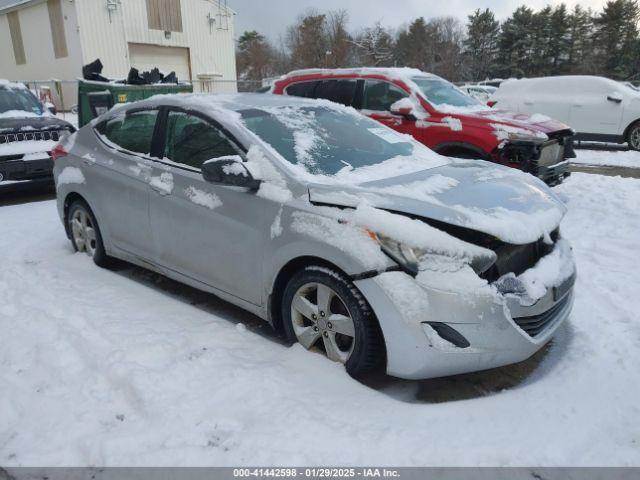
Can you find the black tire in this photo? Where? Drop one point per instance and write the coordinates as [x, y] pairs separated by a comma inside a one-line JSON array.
[[368, 351], [633, 137], [100, 256]]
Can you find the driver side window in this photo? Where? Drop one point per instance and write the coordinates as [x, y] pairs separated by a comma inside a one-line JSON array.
[[192, 141], [379, 95]]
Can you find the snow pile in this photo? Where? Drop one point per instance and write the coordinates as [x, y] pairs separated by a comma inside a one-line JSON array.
[[209, 200], [273, 186], [445, 108], [26, 146], [341, 234], [539, 118], [70, 175], [630, 159], [550, 271], [163, 183], [505, 132], [276, 226], [455, 124], [18, 114], [422, 189], [125, 368], [235, 168]]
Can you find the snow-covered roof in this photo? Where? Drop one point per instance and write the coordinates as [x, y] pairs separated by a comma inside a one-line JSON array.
[[393, 72], [8, 4], [14, 85]]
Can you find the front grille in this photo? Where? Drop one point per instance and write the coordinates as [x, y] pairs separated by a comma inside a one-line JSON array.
[[536, 324], [551, 153], [517, 259], [44, 135]]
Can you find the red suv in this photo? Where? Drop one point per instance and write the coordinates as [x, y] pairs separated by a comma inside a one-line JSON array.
[[442, 117]]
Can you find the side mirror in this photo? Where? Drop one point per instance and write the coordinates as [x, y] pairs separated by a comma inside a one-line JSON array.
[[404, 108], [615, 97], [51, 107], [229, 171]]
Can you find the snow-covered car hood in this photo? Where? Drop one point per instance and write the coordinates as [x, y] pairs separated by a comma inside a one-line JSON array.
[[34, 122], [537, 122], [510, 205]]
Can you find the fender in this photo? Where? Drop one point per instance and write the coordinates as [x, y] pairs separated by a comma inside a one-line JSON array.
[[462, 146]]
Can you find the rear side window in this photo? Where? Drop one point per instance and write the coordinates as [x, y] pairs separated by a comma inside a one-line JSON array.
[[379, 95], [192, 141], [339, 91], [132, 131], [302, 89]]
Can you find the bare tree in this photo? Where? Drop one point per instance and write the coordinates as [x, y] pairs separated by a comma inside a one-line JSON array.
[[338, 39], [374, 46]]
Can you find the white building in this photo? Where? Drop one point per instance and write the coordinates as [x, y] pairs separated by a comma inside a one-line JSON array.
[[53, 39]]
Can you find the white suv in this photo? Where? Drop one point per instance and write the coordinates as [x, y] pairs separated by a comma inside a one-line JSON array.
[[597, 108]]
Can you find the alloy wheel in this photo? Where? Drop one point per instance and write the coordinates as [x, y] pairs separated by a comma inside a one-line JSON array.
[[634, 138], [83, 231], [317, 312]]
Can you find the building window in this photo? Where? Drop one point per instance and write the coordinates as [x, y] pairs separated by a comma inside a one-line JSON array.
[[16, 38], [56, 20], [164, 15]]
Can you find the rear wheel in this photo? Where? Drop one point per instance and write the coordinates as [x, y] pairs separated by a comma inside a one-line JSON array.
[[324, 311], [633, 136], [85, 233]]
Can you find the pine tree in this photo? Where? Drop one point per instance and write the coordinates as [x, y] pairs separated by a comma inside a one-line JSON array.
[[580, 33], [616, 34], [515, 43], [481, 44], [414, 46], [254, 57]]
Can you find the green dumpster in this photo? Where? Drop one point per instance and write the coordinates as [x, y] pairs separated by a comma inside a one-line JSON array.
[[95, 98]]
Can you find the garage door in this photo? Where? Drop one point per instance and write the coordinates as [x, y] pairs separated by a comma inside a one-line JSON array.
[[167, 59]]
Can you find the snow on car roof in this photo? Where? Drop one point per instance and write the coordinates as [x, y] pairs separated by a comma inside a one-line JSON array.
[[4, 83], [236, 102], [515, 85], [394, 72]]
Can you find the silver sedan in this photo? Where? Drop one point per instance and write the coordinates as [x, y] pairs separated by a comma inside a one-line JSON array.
[[355, 240]]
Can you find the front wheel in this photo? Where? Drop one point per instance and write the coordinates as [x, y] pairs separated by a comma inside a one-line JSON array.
[[633, 137], [324, 311], [85, 233]]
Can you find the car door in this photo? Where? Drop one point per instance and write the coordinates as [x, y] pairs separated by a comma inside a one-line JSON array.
[[592, 109], [210, 233], [121, 172], [376, 101], [543, 97]]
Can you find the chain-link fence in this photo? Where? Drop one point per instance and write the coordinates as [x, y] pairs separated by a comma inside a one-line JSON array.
[[63, 94]]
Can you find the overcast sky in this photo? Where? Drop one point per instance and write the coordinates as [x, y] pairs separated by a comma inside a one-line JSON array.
[[271, 17]]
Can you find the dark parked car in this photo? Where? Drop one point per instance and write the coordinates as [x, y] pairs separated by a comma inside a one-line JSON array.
[[28, 133]]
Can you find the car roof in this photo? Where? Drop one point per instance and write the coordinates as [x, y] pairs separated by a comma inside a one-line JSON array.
[[227, 106], [392, 72]]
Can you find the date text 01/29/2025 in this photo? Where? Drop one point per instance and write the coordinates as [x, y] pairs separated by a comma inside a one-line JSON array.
[[315, 472]]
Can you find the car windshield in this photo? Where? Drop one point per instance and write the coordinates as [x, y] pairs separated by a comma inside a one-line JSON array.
[[441, 92], [20, 99], [328, 142]]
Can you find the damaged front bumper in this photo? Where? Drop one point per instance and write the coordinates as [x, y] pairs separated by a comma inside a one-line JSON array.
[[432, 332], [547, 160]]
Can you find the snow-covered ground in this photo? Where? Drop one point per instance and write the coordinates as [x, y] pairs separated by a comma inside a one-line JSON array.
[[610, 158], [123, 367]]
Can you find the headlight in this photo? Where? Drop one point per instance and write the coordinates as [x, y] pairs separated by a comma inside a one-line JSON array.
[[411, 258], [405, 256]]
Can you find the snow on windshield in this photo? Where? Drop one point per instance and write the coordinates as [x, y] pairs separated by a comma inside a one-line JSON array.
[[17, 101], [446, 97], [335, 144]]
